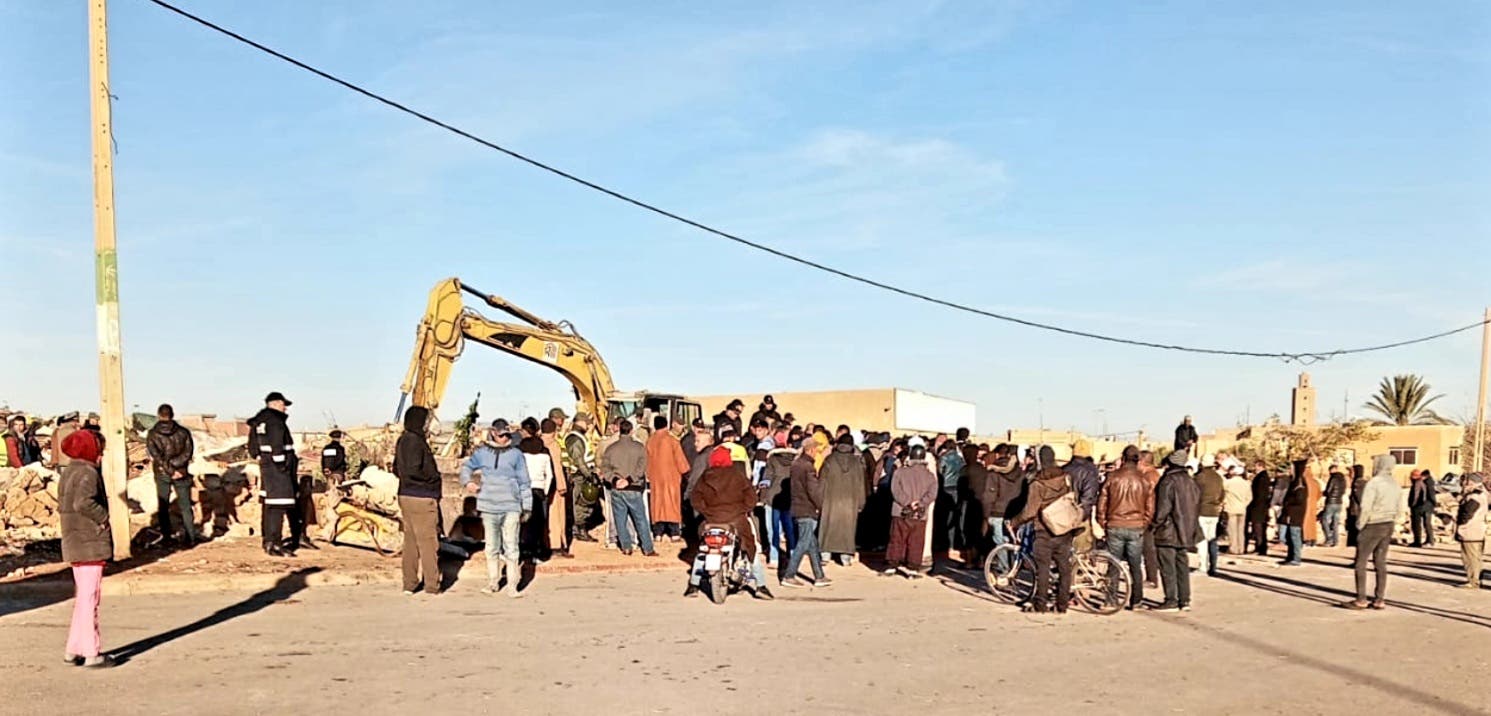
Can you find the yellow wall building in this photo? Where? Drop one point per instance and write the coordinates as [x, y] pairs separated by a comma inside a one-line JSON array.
[[895, 410]]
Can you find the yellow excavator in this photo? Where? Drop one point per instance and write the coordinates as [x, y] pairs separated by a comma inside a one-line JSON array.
[[448, 324]]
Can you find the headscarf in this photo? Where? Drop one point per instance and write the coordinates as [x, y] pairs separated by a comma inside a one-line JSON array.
[[720, 457], [822, 440], [82, 445]]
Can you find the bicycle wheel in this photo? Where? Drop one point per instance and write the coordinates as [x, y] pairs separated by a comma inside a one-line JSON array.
[[1016, 581], [1101, 584]]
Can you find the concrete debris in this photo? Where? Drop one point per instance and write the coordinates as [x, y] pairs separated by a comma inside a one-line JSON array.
[[28, 505]]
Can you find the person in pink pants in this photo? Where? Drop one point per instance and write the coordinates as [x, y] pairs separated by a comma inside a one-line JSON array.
[[86, 544]]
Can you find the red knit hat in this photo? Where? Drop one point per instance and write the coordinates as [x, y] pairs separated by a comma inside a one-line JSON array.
[[720, 457], [82, 445]]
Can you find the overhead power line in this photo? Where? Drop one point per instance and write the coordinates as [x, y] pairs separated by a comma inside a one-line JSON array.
[[1305, 357]]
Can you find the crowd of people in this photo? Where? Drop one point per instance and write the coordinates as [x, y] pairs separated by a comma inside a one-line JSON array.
[[793, 493]]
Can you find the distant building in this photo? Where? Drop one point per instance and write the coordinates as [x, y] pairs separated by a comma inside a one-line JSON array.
[[894, 410], [1416, 447], [1302, 413]]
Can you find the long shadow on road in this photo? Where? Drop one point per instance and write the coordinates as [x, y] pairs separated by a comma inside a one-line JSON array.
[[282, 590], [1429, 701], [1316, 593]]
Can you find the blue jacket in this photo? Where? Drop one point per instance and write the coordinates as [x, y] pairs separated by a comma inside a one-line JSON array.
[[950, 469], [504, 480]]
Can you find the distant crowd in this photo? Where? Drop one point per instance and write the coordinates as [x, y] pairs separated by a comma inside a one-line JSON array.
[[793, 493]]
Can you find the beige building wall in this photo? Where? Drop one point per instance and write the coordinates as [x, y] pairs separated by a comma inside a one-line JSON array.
[[1434, 447], [871, 409]]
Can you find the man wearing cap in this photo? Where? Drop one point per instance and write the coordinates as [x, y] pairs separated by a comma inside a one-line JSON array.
[[270, 440], [729, 416], [67, 424], [767, 412], [334, 460], [1176, 529]]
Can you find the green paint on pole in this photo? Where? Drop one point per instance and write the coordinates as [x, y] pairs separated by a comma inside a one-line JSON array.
[[106, 276]]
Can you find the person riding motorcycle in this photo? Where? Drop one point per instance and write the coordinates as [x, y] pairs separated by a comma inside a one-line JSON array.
[[724, 496]]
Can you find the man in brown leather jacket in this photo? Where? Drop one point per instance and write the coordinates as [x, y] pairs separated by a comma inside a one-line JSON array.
[[1125, 509]]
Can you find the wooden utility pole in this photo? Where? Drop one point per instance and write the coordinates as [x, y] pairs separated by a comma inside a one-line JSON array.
[[1478, 462], [106, 280]]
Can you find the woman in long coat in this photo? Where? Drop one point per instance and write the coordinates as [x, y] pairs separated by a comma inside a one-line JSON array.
[[843, 476]]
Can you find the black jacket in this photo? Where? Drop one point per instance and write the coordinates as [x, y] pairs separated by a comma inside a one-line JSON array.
[[170, 447], [1296, 503], [413, 462], [270, 439], [1335, 488], [771, 416], [334, 458], [1176, 500], [724, 419], [1421, 495], [1185, 436], [1086, 482], [1263, 495]]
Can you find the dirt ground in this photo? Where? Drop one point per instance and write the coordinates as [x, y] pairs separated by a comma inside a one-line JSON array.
[[1262, 639]]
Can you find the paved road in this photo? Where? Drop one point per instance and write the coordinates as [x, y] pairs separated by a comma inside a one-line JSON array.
[[1263, 640]]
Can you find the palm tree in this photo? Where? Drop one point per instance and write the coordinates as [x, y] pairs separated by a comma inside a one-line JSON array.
[[1404, 400]]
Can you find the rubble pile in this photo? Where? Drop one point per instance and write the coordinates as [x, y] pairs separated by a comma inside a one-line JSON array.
[[28, 502]]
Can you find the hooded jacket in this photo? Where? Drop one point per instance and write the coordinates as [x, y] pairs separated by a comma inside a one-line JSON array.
[[270, 439], [1004, 485], [1048, 485], [1381, 495], [505, 484], [843, 474], [170, 447], [806, 489], [413, 462], [1176, 501], [778, 476]]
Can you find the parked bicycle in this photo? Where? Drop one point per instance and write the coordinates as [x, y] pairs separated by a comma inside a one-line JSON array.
[[1101, 584]]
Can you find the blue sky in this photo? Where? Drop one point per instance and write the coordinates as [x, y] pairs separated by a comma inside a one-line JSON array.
[[1267, 176]]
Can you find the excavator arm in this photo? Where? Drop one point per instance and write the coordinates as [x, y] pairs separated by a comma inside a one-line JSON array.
[[447, 324]]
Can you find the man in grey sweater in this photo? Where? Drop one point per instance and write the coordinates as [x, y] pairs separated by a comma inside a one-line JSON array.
[[1379, 513]]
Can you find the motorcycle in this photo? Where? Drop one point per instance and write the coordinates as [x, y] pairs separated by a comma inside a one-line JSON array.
[[725, 567]]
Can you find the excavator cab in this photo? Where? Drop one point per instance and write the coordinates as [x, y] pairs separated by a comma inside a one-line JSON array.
[[642, 407]]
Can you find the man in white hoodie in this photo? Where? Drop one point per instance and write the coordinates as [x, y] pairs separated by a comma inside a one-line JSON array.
[[1380, 500]]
